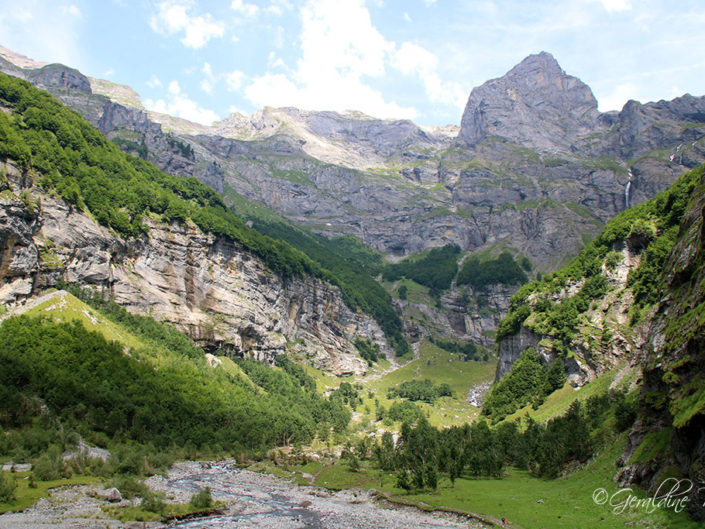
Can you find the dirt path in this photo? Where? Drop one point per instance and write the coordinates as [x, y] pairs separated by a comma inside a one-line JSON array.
[[33, 303], [394, 364]]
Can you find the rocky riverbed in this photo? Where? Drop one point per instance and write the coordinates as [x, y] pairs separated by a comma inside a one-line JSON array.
[[252, 501]]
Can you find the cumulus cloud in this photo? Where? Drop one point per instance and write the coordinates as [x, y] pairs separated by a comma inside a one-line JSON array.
[[175, 17], [176, 103], [340, 48], [234, 80], [414, 60], [71, 10], [154, 82], [278, 7], [617, 97], [245, 9]]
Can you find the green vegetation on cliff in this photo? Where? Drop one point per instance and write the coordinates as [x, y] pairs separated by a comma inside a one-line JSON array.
[[434, 269], [350, 264], [73, 159], [649, 229], [529, 382], [501, 270]]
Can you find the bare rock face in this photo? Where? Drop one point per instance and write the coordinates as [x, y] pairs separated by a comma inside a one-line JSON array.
[[536, 104], [535, 167], [222, 296]]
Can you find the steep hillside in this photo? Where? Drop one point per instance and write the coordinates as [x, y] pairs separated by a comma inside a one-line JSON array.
[[75, 208], [632, 296], [534, 167], [669, 437]]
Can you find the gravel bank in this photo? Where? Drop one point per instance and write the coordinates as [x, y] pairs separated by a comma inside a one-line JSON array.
[[254, 501]]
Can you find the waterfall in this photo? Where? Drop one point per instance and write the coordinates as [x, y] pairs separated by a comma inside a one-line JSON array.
[[626, 190]]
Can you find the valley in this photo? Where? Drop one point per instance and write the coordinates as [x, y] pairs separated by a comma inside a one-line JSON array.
[[412, 326]]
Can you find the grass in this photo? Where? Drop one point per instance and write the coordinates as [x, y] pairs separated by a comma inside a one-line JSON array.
[[558, 402], [67, 308], [324, 381], [565, 503], [25, 496], [172, 511], [440, 366]]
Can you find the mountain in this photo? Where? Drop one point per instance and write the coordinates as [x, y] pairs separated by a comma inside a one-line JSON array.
[[534, 168], [631, 300], [74, 208], [536, 105]]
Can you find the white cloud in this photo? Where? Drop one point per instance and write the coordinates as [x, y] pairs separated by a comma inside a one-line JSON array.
[[414, 60], [174, 88], [174, 16], [234, 80], [207, 86], [178, 104], [44, 30], [407, 17], [429, 3], [109, 72], [71, 10], [154, 82], [245, 9], [275, 62], [277, 7], [616, 5], [617, 97], [340, 48]]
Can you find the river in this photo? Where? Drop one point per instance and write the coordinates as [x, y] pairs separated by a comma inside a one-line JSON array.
[[252, 500]]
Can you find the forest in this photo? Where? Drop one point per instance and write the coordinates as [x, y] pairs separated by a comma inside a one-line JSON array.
[[72, 159]]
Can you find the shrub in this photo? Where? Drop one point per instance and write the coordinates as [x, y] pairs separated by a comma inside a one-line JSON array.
[[435, 269], [152, 502], [129, 486], [202, 499], [49, 465], [7, 488], [502, 270]]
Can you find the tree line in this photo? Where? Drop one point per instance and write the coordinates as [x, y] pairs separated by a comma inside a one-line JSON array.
[[423, 454]]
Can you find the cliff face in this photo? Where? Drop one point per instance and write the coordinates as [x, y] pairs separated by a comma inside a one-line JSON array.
[[208, 287], [535, 167], [670, 431], [603, 337], [635, 298], [535, 105]]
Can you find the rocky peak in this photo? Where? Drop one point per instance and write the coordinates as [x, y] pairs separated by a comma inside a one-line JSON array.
[[58, 75], [536, 104]]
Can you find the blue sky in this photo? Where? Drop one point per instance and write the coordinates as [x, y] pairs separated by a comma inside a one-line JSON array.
[[418, 59]]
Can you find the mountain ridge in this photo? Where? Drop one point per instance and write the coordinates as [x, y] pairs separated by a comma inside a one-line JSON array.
[[422, 191]]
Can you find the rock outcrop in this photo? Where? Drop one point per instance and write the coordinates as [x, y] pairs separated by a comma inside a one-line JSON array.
[[669, 436], [535, 167], [220, 295], [536, 105]]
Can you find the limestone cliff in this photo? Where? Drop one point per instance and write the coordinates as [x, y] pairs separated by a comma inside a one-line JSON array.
[[535, 167], [222, 296], [603, 337], [536, 104]]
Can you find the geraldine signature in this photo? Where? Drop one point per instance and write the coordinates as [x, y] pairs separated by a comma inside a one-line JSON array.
[[672, 493]]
